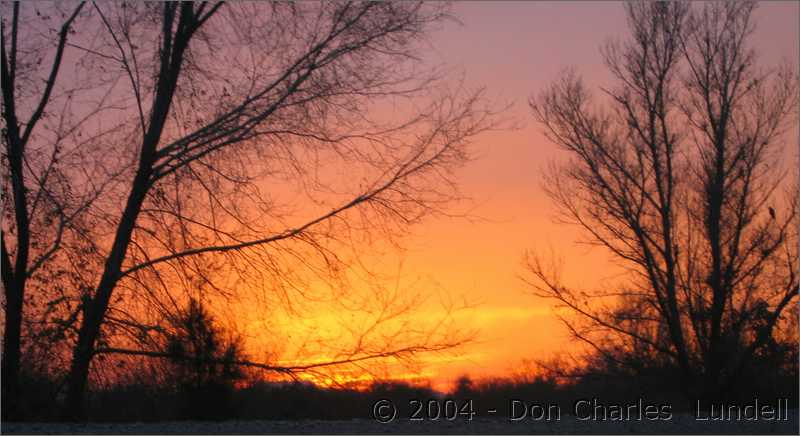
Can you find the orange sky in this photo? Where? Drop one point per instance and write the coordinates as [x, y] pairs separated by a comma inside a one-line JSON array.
[[515, 49]]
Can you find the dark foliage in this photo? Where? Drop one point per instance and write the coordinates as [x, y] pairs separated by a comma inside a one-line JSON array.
[[204, 388], [261, 400]]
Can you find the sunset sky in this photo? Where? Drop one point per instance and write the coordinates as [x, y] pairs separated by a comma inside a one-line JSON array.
[[515, 49], [248, 210]]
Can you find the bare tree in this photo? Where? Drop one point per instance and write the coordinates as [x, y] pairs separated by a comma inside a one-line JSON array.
[[161, 134], [678, 178], [34, 221]]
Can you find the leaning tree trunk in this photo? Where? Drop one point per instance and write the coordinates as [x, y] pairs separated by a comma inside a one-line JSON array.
[[95, 308], [173, 48]]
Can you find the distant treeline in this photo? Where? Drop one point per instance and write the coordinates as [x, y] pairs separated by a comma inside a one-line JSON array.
[[260, 400]]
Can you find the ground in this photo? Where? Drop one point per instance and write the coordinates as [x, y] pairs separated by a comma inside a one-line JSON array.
[[679, 424]]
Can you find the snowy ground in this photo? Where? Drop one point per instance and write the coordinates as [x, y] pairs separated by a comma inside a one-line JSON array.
[[679, 424]]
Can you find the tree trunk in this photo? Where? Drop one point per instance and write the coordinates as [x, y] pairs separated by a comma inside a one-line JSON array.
[[75, 408], [14, 278], [95, 309], [11, 352]]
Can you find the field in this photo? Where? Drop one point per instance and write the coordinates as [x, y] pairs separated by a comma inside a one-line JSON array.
[[679, 424]]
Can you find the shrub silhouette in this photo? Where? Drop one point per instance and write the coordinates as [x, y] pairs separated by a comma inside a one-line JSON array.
[[203, 363]]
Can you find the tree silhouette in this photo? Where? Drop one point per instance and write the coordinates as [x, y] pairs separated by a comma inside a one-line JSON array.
[[203, 360], [144, 145], [673, 177]]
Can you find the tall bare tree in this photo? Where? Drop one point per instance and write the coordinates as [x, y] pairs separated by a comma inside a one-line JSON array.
[[159, 138], [678, 177], [30, 209]]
